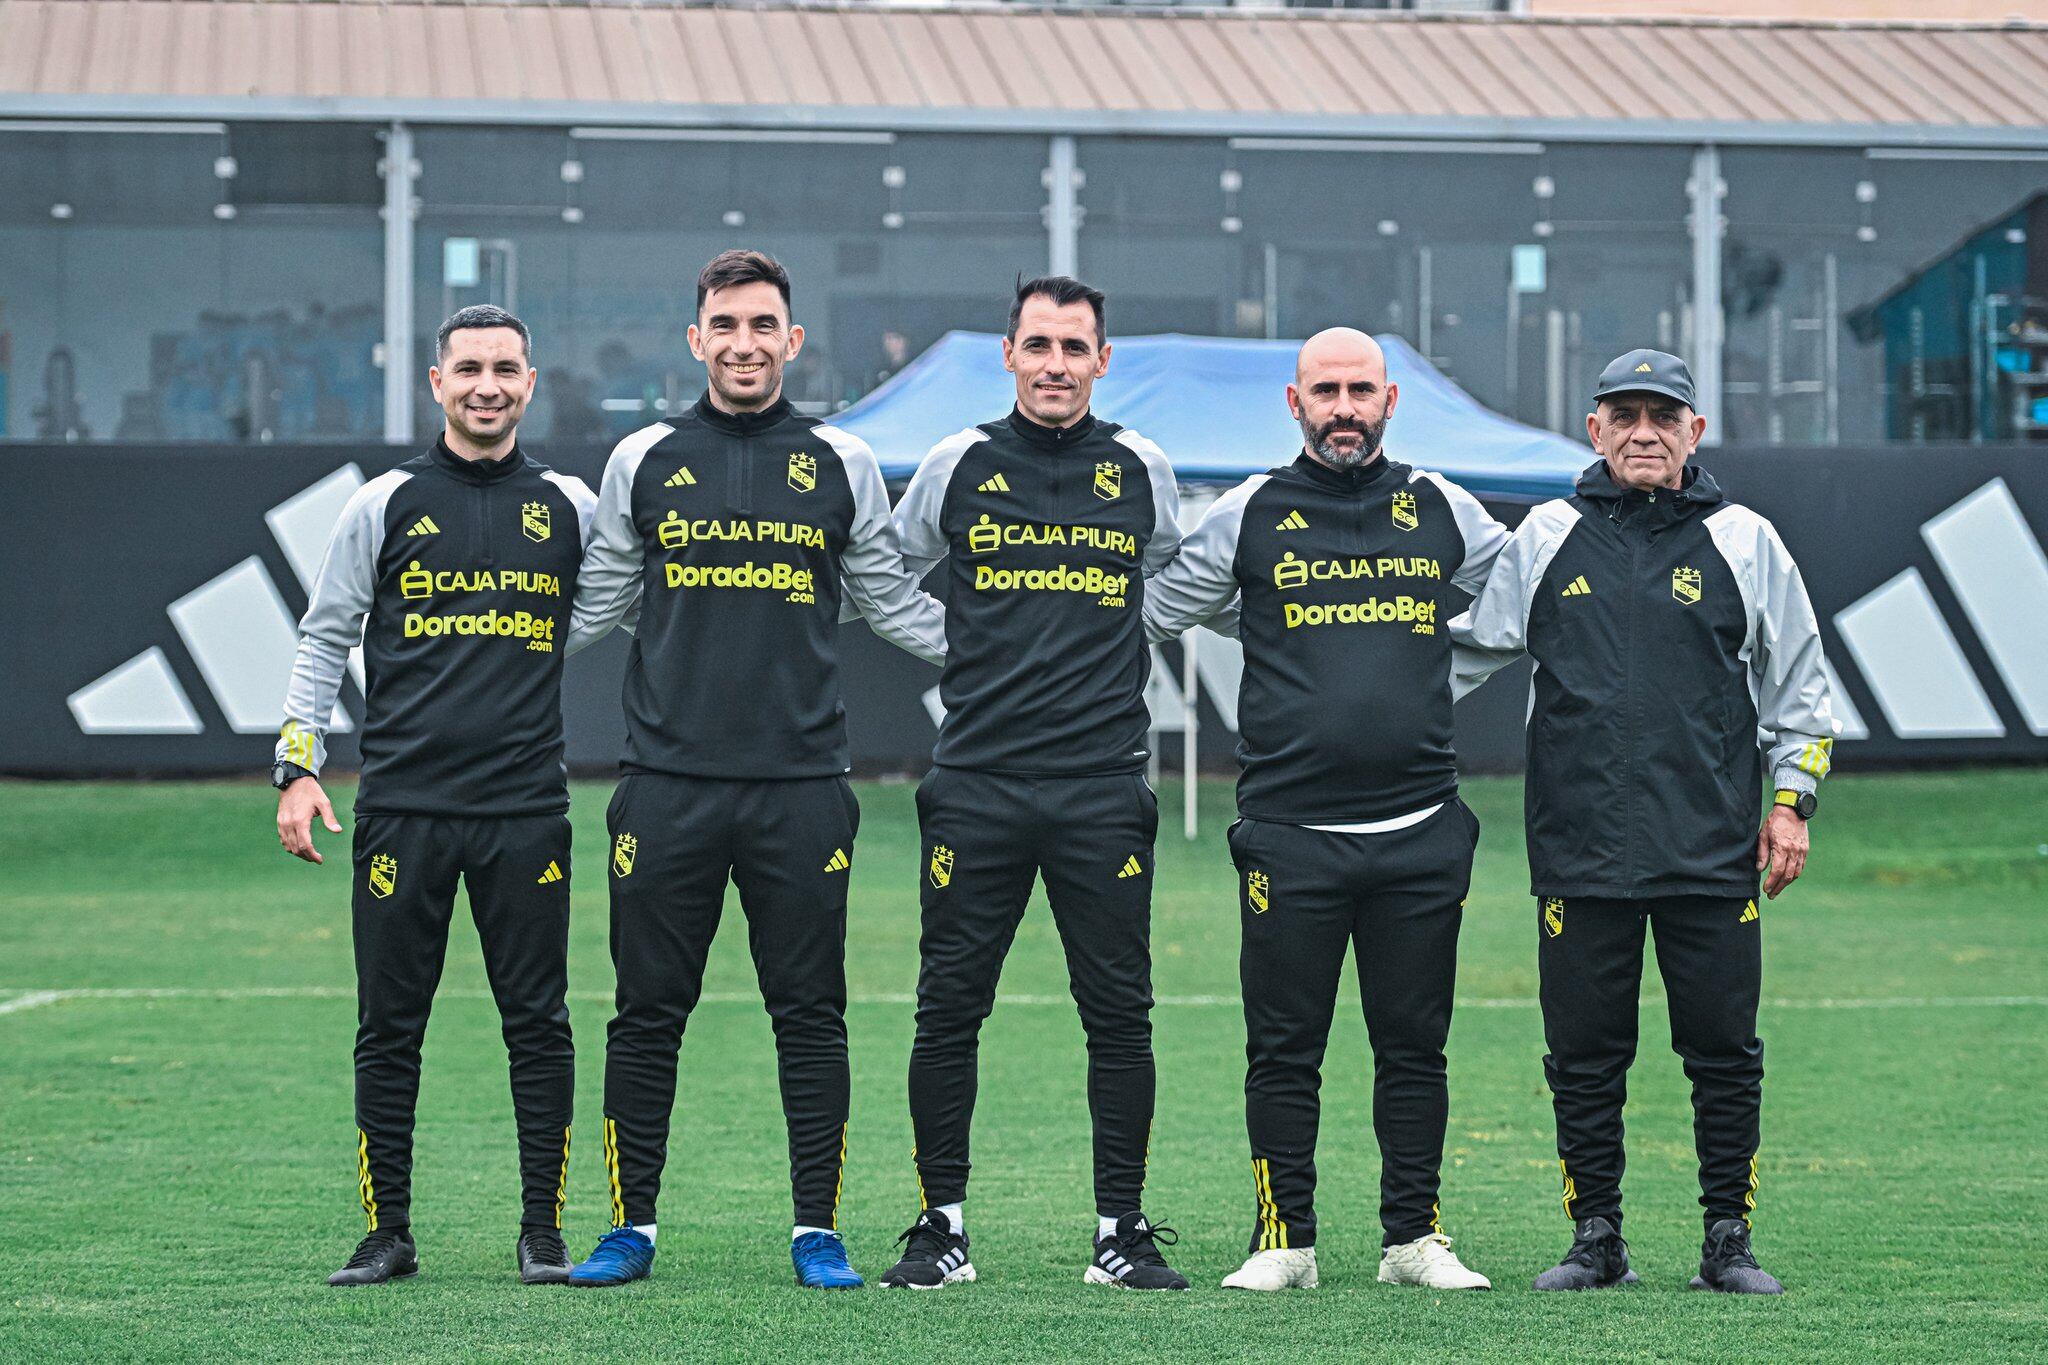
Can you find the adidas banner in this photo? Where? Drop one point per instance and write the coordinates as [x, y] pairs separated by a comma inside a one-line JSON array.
[[155, 594]]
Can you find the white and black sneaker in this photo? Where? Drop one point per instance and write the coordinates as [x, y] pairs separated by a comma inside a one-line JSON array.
[[1130, 1259], [934, 1256]]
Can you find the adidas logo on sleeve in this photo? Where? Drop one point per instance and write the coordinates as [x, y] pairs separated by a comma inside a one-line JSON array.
[[1578, 587], [1293, 521], [423, 527], [997, 484]]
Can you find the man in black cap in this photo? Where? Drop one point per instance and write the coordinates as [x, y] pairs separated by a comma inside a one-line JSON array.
[[1669, 627]]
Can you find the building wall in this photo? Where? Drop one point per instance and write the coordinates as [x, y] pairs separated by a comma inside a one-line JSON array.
[[1978, 11]]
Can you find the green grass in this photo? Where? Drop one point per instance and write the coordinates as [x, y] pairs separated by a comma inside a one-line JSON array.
[[177, 1173]]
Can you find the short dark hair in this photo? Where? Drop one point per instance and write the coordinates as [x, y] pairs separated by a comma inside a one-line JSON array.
[[736, 267], [1062, 290], [481, 315]]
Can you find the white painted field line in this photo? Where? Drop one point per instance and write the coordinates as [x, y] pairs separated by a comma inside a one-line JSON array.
[[25, 999]]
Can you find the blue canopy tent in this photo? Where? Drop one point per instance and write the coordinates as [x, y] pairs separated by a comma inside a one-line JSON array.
[[1216, 406]]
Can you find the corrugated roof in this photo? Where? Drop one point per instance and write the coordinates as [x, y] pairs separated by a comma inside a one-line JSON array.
[[987, 66]]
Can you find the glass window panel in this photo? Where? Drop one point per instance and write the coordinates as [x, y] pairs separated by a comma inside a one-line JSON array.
[[191, 287], [1198, 236], [1854, 307], [596, 244]]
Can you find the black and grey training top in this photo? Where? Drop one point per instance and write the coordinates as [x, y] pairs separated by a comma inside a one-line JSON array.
[[456, 578], [1670, 630], [1050, 534], [1334, 583], [732, 538]]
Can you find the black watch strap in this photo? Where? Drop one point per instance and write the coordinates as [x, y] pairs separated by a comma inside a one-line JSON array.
[[283, 774]]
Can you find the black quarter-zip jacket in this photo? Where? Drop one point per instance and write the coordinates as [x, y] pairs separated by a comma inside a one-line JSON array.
[[1050, 534], [1668, 628], [456, 577], [732, 538], [1336, 582]]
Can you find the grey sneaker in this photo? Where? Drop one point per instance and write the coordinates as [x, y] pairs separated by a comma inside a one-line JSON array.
[[1598, 1260], [1728, 1266]]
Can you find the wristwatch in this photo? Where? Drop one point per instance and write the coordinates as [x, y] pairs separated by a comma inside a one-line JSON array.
[[1803, 804], [283, 774]]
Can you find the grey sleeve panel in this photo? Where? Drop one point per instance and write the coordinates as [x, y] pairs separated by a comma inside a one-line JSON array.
[[1484, 536], [343, 592], [1200, 585], [919, 530], [1494, 631], [1165, 542], [579, 495], [1787, 675], [608, 582], [871, 568]]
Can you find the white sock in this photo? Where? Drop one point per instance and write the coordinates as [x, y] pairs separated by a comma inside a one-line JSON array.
[[799, 1230], [1104, 1226], [952, 1212], [645, 1230]]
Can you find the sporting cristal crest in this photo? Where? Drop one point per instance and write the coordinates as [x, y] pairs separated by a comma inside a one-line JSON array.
[[623, 849], [1685, 585], [1256, 887], [533, 520], [383, 875], [1109, 480], [1404, 512], [942, 866], [803, 471]]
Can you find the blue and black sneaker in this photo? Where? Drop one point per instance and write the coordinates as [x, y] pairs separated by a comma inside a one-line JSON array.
[[821, 1262], [621, 1256]]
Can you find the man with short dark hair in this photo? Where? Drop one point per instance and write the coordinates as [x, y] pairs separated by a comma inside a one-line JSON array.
[[1669, 629], [734, 532], [454, 572], [1052, 520]]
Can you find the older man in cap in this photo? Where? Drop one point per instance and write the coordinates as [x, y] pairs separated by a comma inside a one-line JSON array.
[[1669, 628]]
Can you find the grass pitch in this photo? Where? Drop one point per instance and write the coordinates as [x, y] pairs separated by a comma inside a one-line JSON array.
[[177, 1155]]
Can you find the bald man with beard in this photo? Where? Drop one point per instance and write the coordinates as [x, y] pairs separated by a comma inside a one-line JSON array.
[[1333, 572]]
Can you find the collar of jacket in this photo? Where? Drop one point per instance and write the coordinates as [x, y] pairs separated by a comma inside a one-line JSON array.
[[1347, 481], [1696, 493], [477, 471], [740, 423], [1052, 438]]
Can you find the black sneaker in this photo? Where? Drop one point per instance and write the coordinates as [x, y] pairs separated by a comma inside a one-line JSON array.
[[1598, 1260], [1728, 1266], [379, 1257], [1129, 1257], [542, 1257], [934, 1257]]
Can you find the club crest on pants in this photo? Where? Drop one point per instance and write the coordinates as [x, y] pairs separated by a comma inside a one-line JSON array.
[[623, 849], [383, 875], [942, 866], [1553, 917], [1257, 888]]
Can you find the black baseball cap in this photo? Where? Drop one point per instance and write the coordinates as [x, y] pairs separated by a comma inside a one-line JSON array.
[[1647, 372]]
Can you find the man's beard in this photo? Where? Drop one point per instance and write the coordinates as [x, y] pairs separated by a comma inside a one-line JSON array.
[[1318, 439]]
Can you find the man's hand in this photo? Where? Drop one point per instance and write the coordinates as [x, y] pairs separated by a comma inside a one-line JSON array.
[[1781, 846], [301, 801]]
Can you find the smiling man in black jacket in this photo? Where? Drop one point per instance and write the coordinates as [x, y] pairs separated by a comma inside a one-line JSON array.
[[1050, 520], [1333, 571], [455, 573], [732, 533], [1669, 627]]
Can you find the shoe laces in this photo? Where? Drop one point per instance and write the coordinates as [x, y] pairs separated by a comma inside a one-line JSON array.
[[922, 1240], [1731, 1249], [1139, 1246], [615, 1244], [370, 1248], [1590, 1251], [546, 1247], [814, 1247], [1435, 1246]]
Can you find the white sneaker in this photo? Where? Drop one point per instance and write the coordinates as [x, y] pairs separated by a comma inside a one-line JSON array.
[[1271, 1270], [1428, 1261]]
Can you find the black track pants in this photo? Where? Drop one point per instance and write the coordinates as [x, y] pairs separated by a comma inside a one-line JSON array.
[[1397, 899], [517, 872], [986, 839], [1710, 952], [788, 847]]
